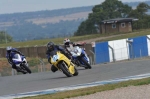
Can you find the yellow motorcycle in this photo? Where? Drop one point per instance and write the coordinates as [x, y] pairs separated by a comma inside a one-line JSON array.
[[62, 63]]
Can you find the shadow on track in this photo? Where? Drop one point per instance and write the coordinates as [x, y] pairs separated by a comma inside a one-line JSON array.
[[59, 77], [82, 69]]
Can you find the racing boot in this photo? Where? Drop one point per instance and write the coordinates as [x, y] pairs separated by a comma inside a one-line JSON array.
[[53, 68]]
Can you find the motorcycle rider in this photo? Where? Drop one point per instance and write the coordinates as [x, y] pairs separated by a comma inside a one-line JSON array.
[[51, 47], [68, 45], [67, 42], [9, 55]]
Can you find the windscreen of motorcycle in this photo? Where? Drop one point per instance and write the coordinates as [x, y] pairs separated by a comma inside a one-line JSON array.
[[55, 58], [17, 58]]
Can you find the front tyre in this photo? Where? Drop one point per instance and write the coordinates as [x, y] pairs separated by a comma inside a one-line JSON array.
[[88, 66], [27, 68], [65, 69]]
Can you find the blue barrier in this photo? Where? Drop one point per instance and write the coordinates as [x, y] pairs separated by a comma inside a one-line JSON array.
[[102, 52], [138, 47]]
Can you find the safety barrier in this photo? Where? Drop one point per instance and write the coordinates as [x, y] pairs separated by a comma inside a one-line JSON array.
[[123, 49]]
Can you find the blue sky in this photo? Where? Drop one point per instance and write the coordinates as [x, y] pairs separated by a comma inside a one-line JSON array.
[[13, 6]]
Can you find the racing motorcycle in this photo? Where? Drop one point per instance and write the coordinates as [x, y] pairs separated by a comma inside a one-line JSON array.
[[80, 57], [21, 63], [62, 63]]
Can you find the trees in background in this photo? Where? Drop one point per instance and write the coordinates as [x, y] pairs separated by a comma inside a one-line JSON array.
[[110, 9], [141, 13], [4, 37], [107, 10]]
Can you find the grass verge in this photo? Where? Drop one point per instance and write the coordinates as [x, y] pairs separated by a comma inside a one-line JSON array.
[[91, 90]]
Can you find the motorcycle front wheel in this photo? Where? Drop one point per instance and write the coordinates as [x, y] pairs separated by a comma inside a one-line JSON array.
[[86, 63], [26, 68], [65, 69]]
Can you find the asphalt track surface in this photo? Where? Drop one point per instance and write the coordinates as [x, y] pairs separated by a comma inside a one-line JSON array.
[[47, 80]]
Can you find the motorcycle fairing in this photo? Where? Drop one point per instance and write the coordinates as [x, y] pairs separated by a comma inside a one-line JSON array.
[[59, 57], [17, 59]]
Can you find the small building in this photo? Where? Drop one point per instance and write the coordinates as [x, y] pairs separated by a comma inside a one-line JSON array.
[[117, 25]]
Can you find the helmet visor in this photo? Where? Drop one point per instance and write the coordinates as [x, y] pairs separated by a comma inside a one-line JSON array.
[[50, 47], [67, 43]]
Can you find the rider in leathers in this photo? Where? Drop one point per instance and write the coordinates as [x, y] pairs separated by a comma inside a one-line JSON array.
[[68, 45], [9, 55], [51, 47]]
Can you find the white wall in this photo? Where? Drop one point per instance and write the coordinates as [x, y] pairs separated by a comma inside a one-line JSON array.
[[148, 45], [121, 49]]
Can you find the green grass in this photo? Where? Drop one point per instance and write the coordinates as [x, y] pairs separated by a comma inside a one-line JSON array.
[[128, 35], [79, 38], [33, 61], [91, 90], [45, 41]]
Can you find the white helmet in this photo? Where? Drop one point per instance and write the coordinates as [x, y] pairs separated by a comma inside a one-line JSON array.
[[66, 41], [8, 48]]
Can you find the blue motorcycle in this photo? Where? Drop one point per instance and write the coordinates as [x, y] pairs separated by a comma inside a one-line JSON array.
[[21, 63], [80, 57]]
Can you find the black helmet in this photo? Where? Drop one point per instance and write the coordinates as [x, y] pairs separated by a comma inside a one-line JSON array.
[[50, 46]]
